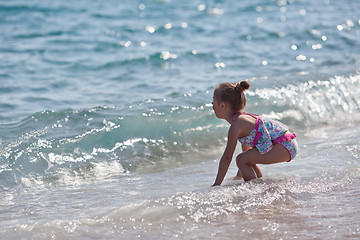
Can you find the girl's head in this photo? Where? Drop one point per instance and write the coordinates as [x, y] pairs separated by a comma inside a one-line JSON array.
[[233, 94]]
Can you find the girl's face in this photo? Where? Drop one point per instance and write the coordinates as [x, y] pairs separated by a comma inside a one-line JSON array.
[[217, 107]]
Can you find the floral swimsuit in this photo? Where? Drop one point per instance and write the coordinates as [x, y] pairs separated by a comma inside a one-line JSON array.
[[268, 132]]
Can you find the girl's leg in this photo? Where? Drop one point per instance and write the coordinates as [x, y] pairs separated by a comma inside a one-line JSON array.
[[247, 161], [257, 171], [246, 169], [254, 167]]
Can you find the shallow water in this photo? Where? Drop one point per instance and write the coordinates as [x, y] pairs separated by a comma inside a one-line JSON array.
[[107, 128]]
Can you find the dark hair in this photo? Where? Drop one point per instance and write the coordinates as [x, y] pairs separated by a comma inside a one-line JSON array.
[[232, 94]]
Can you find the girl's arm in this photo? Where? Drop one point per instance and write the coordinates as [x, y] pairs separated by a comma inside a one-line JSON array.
[[227, 155]]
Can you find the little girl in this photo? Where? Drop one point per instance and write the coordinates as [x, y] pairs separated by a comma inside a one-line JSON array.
[[264, 141]]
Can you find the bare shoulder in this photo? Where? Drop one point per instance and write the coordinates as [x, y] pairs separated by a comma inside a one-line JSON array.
[[247, 119], [243, 125]]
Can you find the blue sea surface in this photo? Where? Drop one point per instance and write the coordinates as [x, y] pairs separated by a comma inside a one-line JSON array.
[[107, 128]]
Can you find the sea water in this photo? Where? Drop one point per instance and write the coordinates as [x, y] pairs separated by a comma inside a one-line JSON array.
[[107, 129]]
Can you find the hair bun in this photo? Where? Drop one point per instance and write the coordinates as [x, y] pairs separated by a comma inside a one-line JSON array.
[[242, 86]]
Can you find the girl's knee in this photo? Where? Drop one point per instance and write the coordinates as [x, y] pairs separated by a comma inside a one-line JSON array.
[[241, 160], [247, 158]]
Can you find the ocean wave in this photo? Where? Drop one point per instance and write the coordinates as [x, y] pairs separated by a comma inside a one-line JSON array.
[[157, 135], [312, 102]]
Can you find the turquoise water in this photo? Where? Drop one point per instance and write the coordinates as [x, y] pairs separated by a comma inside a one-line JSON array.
[[107, 128]]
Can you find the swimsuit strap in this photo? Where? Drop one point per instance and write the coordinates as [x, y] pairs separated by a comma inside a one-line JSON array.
[[235, 116], [257, 132]]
